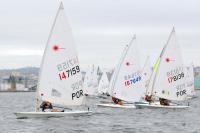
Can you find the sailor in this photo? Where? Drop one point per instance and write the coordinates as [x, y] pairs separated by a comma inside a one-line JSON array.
[[46, 106], [107, 94], [164, 102], [117, 101], [149, 98]]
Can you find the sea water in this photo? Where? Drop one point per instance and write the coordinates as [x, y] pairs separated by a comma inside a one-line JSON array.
[[103, 120]]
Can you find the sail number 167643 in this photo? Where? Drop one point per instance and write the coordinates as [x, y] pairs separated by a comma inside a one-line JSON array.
[[132, 81]]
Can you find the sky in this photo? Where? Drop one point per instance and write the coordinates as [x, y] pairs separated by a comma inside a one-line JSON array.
[[101, 29]]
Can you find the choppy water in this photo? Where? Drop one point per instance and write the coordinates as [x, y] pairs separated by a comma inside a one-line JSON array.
[[103, 119]]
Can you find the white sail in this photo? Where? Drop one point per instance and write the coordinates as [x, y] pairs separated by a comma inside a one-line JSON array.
[[91, 81], [115, 72], [60, 76], [103, 84], [147, 72], [169, 82], [128, 83], [95, 76], [190, 80], [149, 88]]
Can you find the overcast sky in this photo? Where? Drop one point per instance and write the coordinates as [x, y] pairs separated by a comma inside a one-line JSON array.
[[101, 29]]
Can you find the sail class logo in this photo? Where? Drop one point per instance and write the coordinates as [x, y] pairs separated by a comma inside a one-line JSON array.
[[56, 48], [168, 60], [128, 63]]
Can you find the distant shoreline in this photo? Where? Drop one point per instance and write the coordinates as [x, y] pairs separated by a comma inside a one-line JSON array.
[[16, 91]]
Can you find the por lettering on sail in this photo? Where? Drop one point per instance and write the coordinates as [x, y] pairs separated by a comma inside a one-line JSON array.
[[77, 89], [181, 90], [77, 94]]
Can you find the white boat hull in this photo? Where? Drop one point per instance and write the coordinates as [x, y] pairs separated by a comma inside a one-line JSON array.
[[111, 105], [142, 102], [191, 97], [49, 114], [140, 106]]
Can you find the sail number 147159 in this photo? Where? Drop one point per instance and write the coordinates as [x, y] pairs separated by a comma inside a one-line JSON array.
[[68, 73]]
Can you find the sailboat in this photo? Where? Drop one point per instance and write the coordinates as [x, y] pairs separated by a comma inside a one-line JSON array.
[[147, 72], [103, 84], [91, 82], [190, 81], [60, 76], [127, 83], [169, 80]]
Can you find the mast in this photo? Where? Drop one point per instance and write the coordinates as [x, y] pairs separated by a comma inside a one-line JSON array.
[[147, 59]]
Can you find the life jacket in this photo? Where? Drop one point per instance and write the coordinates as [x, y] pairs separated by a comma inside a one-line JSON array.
[[148, 98], [117, 101]]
